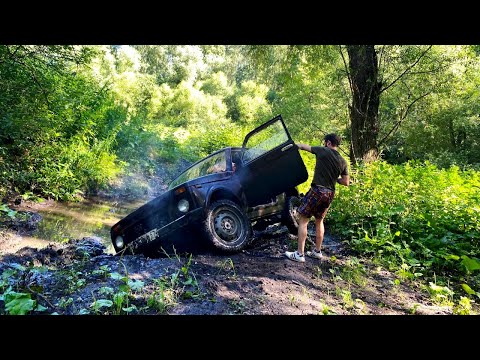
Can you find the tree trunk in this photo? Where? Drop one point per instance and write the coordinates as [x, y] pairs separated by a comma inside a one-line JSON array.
[[365, 87]]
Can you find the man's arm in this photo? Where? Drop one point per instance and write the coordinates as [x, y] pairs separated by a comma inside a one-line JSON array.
[[344, 180], [305, 147]]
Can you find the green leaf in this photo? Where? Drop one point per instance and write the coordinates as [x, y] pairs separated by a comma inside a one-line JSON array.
[[18, 303], [118, 298], [40, 308], [98, 304], [435, 287], [397, 233], [135, 285], [105, 290], [470, 264], [124, 287], [187, 294], [451, 257], [40, 269], [129, 309], [17, 266], [117, 276], [468, 289]]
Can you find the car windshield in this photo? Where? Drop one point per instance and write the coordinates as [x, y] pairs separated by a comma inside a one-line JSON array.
[[212, 164]]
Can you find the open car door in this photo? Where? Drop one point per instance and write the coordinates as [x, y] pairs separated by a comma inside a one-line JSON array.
[[271, 162]]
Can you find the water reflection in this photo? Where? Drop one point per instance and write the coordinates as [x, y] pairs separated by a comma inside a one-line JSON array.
[[93, 217]]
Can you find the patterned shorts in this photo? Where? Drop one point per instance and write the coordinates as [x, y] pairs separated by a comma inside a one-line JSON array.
[[316, 202]]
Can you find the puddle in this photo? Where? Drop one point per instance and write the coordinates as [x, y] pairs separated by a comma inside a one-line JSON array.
[[93, 217]]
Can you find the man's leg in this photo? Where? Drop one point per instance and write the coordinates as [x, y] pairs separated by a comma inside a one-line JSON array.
[[320, 232], [302, 229], [302, 232]]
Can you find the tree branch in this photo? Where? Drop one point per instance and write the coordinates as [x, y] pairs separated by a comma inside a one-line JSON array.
[[346, 68], [35, 79], [407, 110], [406, 70]]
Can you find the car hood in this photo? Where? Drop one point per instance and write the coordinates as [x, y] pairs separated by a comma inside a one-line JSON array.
[[154, 213], [159, 211]]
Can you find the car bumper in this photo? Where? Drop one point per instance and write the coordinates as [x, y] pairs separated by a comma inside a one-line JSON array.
[[154, 238]]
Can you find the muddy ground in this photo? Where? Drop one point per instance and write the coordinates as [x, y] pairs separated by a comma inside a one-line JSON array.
[[80, 278]]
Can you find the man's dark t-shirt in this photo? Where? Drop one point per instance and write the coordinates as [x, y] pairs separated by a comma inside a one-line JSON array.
[[329, 166]]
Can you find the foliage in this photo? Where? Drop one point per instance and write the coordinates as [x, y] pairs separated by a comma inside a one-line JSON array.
[[415, 218], [73, 118], [464, 306], [6, 211], [443, 126], [16, 293], [51, 130]]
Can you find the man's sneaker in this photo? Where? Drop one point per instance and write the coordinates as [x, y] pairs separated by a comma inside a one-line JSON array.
[[295, 256], [315, 254]]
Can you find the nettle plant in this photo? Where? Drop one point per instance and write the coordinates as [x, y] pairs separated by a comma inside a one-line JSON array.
[[414, 219], [16, 291], [117, 302]]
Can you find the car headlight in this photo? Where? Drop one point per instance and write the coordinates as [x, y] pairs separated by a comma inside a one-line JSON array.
[[183, 205], [119, 241]]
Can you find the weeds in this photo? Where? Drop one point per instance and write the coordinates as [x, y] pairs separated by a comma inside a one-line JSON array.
[[292, 299], [19, 293], [354, 272], [413, 221], [347, 301], [238, 306], [413, 310], [182, 284], [226, 266], [441, 295], [464, 306], [318, 272], [326, 309]]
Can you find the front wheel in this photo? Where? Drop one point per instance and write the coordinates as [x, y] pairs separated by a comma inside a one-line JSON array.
[[227, 227], [290, 215]]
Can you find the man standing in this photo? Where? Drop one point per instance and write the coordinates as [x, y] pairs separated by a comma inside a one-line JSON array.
[[328, 167]]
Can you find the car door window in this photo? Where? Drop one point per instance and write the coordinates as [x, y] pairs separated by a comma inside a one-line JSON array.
[[265, 140], [214, 164]]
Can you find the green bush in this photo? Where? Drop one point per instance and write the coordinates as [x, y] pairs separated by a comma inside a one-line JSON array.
[[414, 214]]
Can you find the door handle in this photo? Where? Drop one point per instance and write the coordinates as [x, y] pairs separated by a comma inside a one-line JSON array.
[[287, 147]]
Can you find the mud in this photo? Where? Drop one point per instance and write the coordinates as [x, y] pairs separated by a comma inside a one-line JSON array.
[[75, 277]]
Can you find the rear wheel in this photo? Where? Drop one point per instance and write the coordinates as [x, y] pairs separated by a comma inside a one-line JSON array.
[[227, 227], [290, 215]]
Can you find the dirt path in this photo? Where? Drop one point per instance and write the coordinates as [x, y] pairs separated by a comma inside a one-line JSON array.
[[80, 278]]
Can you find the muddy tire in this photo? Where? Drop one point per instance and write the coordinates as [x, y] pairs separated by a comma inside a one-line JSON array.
[[289, 215], [227, 227]]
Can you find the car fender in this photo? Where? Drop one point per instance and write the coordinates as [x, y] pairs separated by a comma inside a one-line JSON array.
[[233, 193]]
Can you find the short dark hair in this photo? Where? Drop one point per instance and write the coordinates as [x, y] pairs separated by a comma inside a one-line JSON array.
[[333, 138]]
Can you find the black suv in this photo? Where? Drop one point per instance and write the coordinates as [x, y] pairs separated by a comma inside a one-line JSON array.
[[218, 199]]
